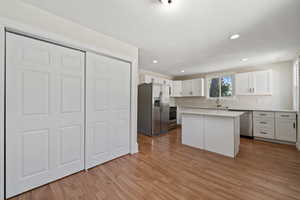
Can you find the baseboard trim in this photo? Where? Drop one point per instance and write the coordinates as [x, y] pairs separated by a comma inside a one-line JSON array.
[[298, 146], [275, 141], [135, 149]]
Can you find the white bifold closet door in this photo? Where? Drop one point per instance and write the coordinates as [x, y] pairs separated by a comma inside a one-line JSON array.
[[44, 113], [108, 109]]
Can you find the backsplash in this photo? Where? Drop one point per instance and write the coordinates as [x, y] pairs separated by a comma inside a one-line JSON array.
[[246, 102]]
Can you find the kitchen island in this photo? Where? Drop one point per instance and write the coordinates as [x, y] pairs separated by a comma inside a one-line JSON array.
[[212, 130]]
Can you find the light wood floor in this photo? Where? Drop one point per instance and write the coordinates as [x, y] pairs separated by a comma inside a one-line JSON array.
[[165, 169]]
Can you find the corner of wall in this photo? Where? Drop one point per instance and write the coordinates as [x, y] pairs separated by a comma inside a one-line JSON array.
[[2, 35], [135, 149]]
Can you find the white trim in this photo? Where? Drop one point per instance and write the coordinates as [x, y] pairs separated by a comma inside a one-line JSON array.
[[2, 55], [219, 76], [134, 95]]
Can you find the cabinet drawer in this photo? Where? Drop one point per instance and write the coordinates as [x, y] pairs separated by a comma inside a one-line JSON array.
[[264, 122], [286, 115], [264, 132], [263, 114]]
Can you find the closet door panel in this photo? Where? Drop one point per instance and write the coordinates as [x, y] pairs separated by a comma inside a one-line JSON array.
[[108, 106], [45, 117]]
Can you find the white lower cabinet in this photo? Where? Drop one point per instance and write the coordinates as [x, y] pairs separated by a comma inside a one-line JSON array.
[[264, 126], [286, 127], [219, 134], [280, 126], [194, 131]]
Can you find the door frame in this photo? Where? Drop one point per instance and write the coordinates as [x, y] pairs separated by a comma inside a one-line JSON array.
[[69, 43], [2, 114]]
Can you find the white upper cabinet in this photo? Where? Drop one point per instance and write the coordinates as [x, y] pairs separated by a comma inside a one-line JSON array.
[[176, 90], [262, 82], [148, 79], [187, 88], [194, 87], [154, 79], [243, 83], [254, 83], [198, 87]]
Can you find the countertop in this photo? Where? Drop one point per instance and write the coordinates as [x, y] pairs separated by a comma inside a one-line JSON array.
[[212, 112], [241, 109]]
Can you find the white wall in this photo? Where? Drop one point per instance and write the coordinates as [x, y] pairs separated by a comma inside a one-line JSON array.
[[1, 112], [297, 97], [282, 97]]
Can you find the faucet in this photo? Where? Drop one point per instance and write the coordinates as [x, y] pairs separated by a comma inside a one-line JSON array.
[[218, 102]]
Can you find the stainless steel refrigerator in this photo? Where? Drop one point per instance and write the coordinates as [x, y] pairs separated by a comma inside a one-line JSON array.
[[153, 109]]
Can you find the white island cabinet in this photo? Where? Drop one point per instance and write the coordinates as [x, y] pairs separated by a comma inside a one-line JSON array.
[[212, 130]]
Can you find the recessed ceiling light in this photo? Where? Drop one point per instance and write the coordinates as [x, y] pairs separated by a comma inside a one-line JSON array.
[[155, 61], [182, 71], [234, 37], [166, 2], [245, 59]]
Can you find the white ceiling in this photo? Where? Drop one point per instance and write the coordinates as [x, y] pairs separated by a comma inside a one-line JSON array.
[[192, 35]]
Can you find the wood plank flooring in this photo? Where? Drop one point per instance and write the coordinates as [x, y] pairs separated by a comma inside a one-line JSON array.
[[167, 170]]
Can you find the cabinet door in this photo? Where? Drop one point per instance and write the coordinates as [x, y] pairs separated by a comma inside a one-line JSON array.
[[286, 130], [243, 83], [198, 87], [262, 82], [193, 130], [187, 88], [149, 79], [176, 88]]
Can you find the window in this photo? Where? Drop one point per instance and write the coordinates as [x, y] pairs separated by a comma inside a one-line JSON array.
[[220, 86]]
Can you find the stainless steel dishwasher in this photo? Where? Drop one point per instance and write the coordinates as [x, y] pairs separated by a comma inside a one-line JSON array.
[[246, 123]]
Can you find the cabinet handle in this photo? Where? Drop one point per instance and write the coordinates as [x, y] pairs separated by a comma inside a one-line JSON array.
[[294, 125], [262, 114], [263, 122], [284, 115], [263, 133]]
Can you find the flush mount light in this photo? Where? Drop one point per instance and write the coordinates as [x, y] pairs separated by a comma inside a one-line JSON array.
[[182, 71], [245, 59], [234, 37], [155, 61], [166, 2]]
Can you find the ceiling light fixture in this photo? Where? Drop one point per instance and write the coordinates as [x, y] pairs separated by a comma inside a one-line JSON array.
[[234, 37], [155, 61], [182, 71], [245, 59], [166, 2]]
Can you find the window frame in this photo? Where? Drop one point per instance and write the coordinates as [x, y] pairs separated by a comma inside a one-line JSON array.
[[219, 76]]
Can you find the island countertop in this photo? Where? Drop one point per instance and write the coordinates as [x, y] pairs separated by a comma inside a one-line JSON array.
[[208, 112], [239, 108]]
